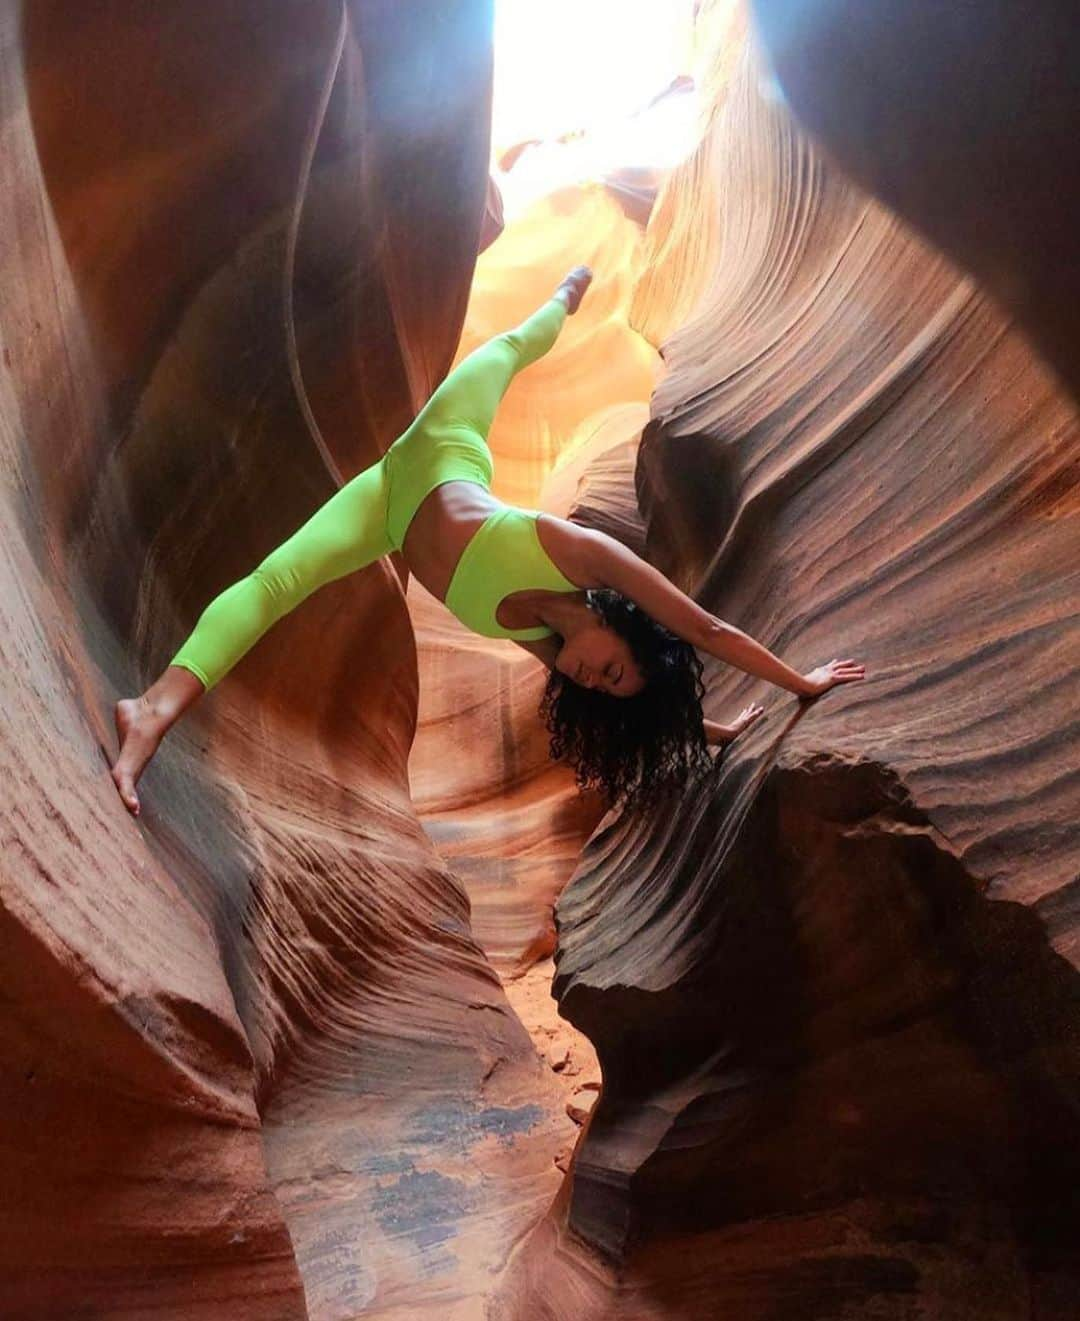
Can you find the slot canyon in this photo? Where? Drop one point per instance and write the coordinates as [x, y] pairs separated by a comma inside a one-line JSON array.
[[371, 1013]]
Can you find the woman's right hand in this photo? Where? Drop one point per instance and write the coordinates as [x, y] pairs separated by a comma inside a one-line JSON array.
[[829, 676]]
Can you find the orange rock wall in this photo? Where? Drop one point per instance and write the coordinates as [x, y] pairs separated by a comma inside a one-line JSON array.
[[255, 1063], [258, 1062], [962, 123], [833, 992]]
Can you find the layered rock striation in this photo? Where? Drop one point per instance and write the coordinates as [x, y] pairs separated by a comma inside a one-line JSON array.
[[834, 990], [255, 1063], [258, 1061]]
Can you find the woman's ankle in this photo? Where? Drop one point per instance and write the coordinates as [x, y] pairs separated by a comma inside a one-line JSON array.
[[171, 695]]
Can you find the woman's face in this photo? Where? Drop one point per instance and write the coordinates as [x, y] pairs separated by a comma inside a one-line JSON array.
[[597, 657]]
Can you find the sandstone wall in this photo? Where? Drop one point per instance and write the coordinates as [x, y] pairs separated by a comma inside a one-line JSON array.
[[249, 1040], [834, 992], [257, 1058]]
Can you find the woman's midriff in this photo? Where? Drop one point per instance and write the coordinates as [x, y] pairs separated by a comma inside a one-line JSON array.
[[446, 521]]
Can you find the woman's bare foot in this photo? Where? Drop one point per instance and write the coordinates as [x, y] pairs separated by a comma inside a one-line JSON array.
[[138, 731], [573, 287], [142, 722]]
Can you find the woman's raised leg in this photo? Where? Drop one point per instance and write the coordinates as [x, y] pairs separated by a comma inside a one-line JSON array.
[[345, 534], [473, 391]]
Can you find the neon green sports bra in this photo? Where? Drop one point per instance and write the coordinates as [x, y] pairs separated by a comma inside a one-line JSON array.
[[503, 557]]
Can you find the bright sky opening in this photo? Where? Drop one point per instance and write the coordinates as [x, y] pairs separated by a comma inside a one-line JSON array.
[[590, 66]]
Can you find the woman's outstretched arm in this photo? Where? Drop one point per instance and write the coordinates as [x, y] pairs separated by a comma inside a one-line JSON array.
[[608, 563]]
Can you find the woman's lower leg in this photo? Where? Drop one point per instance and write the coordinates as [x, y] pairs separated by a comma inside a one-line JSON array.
[[346, 533]]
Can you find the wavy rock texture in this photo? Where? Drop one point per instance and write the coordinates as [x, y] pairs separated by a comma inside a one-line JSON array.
[[834, 991], [963, 123], [252, 1051], [257, 1060]]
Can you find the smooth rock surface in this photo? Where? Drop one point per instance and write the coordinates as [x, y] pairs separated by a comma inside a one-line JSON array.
[[258, 1061], [256, 1064], [834, 991]]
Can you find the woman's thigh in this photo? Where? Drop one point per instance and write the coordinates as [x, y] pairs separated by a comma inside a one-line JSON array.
[[346, 533]]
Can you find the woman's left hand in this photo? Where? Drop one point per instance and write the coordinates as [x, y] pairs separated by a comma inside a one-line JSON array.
[[721, 735], [746, 718]]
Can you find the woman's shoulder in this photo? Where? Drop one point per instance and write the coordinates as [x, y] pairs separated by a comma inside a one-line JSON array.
[[570, 547]]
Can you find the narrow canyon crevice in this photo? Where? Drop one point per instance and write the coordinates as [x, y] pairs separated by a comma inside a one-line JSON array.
[[371, 1014]]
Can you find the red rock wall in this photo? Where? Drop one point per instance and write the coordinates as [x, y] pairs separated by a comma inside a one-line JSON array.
[[834, 991], [964, 123], [255, 1063]]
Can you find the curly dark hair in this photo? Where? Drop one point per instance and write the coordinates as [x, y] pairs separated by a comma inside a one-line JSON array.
[[634, 749]]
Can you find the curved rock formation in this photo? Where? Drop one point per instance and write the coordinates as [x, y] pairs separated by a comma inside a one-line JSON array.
[[964, 124], [257, 1058], [834, 992], [249, 1039]]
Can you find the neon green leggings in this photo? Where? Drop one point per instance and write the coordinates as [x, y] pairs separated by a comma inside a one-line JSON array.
[[369, 516]]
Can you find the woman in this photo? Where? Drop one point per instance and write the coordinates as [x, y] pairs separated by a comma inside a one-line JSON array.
[[623, 702]]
